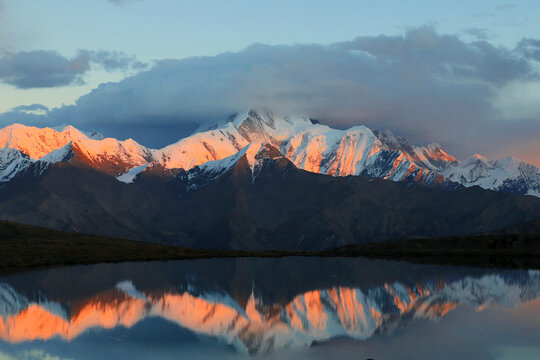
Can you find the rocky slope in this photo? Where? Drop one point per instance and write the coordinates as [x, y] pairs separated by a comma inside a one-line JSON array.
[[256, 199]]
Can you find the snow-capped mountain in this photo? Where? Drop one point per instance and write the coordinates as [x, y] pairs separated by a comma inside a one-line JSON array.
[[433, 156], [106, 154], [356, 151], [253, 155], [38, 142], [226, 139], [507, 175], [307, 144], [13, 162]]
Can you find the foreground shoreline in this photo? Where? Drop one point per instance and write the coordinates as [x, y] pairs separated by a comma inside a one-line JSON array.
[[25, 247]]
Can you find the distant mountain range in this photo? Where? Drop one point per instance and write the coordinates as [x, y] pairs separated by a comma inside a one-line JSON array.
[[257, 181], [307, 144]]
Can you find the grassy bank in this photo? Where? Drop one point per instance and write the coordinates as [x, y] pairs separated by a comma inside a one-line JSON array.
[[24, 246]]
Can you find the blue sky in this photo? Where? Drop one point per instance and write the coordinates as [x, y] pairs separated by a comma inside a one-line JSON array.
[[161, 29], [102, 41]]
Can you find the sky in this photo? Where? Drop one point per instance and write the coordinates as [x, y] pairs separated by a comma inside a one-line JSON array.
[[460, 73]]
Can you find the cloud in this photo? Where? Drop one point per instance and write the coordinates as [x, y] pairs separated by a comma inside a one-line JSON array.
[[426, 86], [110, 60], [396, 81], [40, 69], [478, 33], [530, 48], [35, 109], [32, 115], [43, 69]]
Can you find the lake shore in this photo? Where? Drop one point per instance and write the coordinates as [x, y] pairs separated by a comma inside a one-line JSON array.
[[27, 247]]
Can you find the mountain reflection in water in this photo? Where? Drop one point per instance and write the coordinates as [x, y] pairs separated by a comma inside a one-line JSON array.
[[255, 306]]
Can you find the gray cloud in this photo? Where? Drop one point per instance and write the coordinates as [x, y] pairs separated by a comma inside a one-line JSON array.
[[110, 60], [41, 69], [530, 48], [422, 85], [31, 108], [391, 80], [21, 115], [478, 33]]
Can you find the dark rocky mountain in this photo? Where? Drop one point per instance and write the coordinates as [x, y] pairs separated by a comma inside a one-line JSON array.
[[253, 200]]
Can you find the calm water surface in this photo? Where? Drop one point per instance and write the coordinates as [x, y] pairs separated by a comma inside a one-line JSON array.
[[289, 308]]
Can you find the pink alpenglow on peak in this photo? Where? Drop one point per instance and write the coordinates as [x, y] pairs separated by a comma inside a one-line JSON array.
[[307, 144]]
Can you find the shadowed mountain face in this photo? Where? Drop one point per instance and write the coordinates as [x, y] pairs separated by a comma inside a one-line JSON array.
[[243, 303], [254, 200]]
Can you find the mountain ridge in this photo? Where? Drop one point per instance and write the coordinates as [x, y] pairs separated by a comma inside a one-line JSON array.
[[308, 144], [282, 207]]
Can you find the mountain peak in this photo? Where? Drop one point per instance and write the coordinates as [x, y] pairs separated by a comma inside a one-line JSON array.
[[227, 138], [12, 161], [253, 155], [94, 135], [506, 175], [261, 116], [15, 126], [267, 151], [259, 150], [474, 159], [387, 137], [261, 134], [59, 155], [254, 120], [110, 155], [38, 142], [434, 146], [256, 125], [438, 156]]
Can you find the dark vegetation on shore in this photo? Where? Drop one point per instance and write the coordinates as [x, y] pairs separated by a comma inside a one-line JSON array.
[[485, 250], [25, 246]]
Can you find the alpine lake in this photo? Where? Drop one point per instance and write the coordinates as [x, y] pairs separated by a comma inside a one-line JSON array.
[[270, 308]]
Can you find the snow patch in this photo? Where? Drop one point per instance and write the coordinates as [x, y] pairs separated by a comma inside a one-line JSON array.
[[12, 162], [131, 174], [58, 155]]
